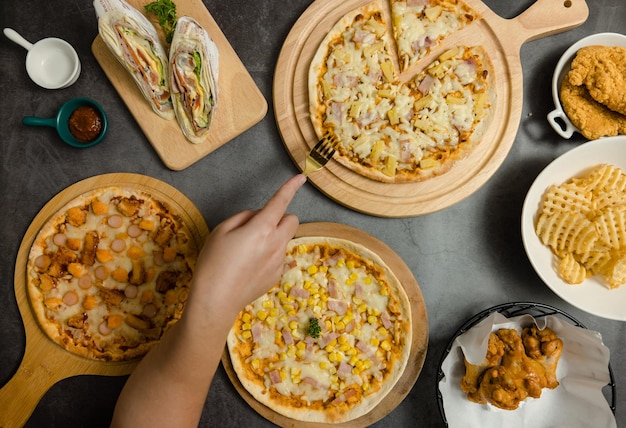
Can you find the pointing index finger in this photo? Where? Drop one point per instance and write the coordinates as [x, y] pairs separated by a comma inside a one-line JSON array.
[[275, 208]]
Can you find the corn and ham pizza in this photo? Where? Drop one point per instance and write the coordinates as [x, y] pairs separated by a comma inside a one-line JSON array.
[[109, 273], [330, 340], [399, 123]]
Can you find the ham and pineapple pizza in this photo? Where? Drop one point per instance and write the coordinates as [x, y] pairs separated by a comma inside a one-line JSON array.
[[393, 130], [330, 340], [110, 272]]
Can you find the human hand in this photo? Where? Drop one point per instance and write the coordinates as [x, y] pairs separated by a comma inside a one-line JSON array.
[[243, 256]]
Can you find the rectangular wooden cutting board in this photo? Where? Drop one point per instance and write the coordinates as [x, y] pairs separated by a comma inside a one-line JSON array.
[[241, 104]]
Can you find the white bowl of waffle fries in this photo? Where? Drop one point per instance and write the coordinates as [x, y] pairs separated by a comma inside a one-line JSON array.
[[583, 225], [576, 110], [578, 366]]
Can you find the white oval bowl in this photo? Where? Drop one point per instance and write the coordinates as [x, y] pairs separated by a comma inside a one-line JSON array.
[[557, 117]]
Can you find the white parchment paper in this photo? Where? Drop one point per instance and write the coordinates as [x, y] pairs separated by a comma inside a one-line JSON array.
[[577, 402]]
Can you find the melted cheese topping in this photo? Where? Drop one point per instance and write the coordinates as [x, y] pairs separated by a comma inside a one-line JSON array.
[[361, 339], [420, 25], [399, 128], [133, 286]]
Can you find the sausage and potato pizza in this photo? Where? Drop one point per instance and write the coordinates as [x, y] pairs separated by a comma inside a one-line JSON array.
[[110, 272]]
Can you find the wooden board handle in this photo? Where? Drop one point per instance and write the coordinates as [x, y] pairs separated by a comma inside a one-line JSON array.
[[20, 396], [546, 17]]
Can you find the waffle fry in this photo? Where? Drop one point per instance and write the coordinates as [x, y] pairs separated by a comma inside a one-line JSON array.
[[583, 222], [570, 270]]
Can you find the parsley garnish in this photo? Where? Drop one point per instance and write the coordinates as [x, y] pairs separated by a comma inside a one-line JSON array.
[[165, 11], [314, 328]]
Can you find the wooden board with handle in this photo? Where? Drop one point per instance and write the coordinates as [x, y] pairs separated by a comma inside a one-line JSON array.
[[501, 37], [419, 318], [241, 104], [45, 362]]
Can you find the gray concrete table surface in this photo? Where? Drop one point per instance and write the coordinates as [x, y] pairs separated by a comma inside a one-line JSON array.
[[466, 258]]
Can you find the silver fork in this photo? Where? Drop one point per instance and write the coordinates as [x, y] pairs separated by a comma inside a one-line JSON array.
[[321, 153]]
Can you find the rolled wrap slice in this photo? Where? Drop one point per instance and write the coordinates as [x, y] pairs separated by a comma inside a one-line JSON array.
[[135, 43], [194, 68]]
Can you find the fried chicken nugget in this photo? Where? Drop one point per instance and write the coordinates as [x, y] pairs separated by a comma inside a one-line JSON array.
[[594, 120], [602, 70]]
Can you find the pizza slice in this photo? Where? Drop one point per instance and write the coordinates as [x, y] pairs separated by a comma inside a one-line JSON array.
[[419, 25]]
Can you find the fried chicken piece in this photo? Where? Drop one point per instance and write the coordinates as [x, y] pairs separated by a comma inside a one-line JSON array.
[[500, 388], [602, 70], [529, 374], [545, 347], [471, 381], [594, 120]]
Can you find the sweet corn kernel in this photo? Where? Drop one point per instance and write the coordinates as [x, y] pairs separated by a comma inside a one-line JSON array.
[[323, 269], [288, 307], [351, 352], [261, 315], [291, 353], [342, 340], [255, 364], [267, 304], [383, 291], [385, 345], [271, 321], [372, 319], [374, 341], [367, 280], [296, 379], [328, 324], [277, 335], [246, 326], [295, 371], [365, 386], [356, 370], [283, 356], [301, 345], [341, 263], [246, 317], [350, 264], [293, 325], [291, 313], [353, 360], [329, 348], [300, 353], [306, 285], [382, 331], [246, 334], [347, 318], [359, 364], [312, 270], [302, 249], [324, 365], [274, 312], [354, 276], [344, 347], [361, 308], [367, 364], [283, 374]]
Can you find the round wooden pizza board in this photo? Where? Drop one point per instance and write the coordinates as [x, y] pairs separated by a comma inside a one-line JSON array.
[[419, 344], [45, 362], [502, 39]]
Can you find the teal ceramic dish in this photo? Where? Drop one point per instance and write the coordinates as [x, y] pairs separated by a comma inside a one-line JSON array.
[[62, 122]]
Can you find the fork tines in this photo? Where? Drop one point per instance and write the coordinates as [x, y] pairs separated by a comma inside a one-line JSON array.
[[321, 153]]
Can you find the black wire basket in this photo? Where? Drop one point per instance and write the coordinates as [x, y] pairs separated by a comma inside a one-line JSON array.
[[510, 310]]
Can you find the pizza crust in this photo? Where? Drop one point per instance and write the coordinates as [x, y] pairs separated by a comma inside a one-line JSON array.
[[327, 411]]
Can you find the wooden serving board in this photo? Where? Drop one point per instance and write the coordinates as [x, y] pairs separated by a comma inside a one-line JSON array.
[[240, 106], [419, 345], [502, 39], [45, 362]]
